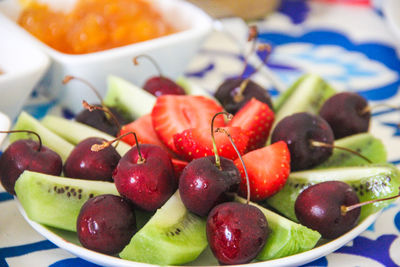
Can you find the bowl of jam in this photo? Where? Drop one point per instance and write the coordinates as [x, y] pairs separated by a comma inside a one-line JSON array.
[[92, 39]]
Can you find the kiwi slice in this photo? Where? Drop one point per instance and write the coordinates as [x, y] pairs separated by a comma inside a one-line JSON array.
[[56, 201], [374, 181], [172, 236], [193, 89], [49, 139], [286, 237], [131, 100], [363, 143], [307, 94], [78, 131]]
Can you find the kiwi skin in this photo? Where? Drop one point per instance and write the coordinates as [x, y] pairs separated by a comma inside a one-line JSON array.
[[373, 181]]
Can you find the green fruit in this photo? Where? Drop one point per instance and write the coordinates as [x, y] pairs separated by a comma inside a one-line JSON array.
[[307, 94], [193, 89], [367, 145], [77, 131], [369, 181], [49, 139], [286, 237], [172, 236], [56, 201], [131, 100]]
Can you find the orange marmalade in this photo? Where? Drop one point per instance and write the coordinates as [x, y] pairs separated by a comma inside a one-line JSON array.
[[94, 25]]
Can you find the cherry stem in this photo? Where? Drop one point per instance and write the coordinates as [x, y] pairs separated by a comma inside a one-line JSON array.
[[238, 97], [30, 132], [105, 144], [70, 77], [217, 158], [241, 160], [91, 108], [370, 108], [345, 209], [322, 144], [135, 61], [253, 34]]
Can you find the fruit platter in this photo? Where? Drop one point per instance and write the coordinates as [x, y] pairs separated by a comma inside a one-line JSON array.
[[168, 173]]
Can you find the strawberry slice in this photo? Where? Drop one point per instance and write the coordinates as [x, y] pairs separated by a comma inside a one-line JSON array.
[[196, 143], [143, 127], [172, 114], [268, 170], [256, 118]]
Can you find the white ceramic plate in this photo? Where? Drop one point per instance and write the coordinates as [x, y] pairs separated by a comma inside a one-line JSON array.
[[69, 241], [4, 126]]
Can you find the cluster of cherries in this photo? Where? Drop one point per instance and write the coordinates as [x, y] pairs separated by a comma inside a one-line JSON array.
[[145, 177]]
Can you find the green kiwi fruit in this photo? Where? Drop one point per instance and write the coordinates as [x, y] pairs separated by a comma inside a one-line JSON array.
[[172, 236], [56, 201], [49, 139], [131, 100], [78, 131], [193, 89], [364, 143], [286, 237], [307, 94], [373, 181]]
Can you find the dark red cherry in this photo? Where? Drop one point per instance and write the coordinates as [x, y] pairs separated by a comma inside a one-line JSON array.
[[346, 113], [299, 131], [320, 207], [146, 177], [202, 185], [98, 119], [84, 163], [106, 224], [236, 232], [232, 99], [27, 155], [160, 85]]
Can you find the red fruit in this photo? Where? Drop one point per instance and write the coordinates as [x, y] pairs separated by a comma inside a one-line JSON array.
[[160, 85], [268, 170], [256, 119], [196, 143], [173, 114], [143, 127]]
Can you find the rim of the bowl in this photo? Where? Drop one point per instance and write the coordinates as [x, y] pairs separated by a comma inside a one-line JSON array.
[[297, 259], [201, 27]]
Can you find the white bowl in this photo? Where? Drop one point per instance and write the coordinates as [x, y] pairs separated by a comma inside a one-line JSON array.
[[173, 53], [22, 66], [5, 124]]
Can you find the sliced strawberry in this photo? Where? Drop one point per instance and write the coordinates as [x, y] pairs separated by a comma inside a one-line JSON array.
[[178, 165], [196, 143], [172, 114], [256, 119], [268, 170], [143, 127]]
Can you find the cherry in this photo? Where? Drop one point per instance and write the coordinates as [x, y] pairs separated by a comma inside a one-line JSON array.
[[208, 181], [102, 118], [319, 207], [84, 163], [106, 224], [160, 85], [29, 155], [347, 113], [145, 176], [234, 93], [203, 185], [236, 232], [332, 208], [299, 131]]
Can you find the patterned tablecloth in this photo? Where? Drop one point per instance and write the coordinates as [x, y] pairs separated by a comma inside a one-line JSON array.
[[349, 45]]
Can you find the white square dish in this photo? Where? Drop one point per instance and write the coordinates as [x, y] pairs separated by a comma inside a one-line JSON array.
[[173, 53]]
